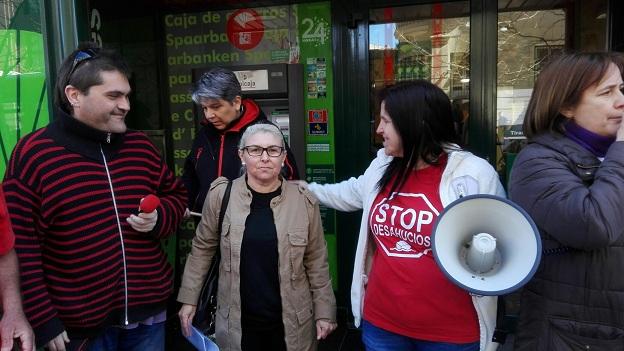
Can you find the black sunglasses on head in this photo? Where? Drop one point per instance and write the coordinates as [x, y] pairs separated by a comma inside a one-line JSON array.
[[81, 56]]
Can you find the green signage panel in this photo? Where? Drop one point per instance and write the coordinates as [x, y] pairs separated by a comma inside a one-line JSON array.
[[23, 93]]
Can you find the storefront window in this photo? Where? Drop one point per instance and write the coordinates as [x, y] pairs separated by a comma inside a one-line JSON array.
[[429, 42], [23, 94]]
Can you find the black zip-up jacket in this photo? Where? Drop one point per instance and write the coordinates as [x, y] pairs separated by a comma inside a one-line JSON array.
[[576, 299], [215, 154]]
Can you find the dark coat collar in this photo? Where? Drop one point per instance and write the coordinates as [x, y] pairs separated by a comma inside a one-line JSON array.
[[582, 160], [85, 140], [566, 146]]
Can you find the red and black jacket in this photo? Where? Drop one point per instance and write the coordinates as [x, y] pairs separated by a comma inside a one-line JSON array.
[[69, 189], [215, 154]]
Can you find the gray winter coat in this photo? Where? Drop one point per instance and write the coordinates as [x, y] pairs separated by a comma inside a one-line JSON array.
[[576, 299]]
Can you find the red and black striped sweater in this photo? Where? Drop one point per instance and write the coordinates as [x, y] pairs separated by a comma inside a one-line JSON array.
[[69, 189]]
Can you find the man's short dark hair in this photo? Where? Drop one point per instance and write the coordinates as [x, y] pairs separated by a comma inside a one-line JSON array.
[[82, 69]]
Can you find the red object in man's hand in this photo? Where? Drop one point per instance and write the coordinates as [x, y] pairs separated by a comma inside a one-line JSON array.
[[149, 203]]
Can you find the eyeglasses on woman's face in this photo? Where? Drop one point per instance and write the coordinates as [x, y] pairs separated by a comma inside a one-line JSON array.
[[255, 150]]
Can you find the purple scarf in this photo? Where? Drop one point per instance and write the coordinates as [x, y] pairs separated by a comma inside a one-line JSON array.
[[596, 144]]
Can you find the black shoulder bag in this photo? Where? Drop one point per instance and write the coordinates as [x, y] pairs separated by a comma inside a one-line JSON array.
[[205, 315]]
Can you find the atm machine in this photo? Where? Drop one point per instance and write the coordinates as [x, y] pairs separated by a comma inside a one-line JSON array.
[[278, 89]]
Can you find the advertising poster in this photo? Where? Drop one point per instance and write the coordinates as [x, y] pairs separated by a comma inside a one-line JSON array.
[[314, 23]]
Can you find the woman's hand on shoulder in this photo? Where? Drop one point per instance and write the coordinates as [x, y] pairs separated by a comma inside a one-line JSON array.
[[186, 314], [324, 327]]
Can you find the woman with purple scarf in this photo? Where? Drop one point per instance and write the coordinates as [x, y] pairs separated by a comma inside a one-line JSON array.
[[570, 179]]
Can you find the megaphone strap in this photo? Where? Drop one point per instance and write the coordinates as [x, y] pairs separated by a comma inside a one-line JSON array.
[[501, 331]]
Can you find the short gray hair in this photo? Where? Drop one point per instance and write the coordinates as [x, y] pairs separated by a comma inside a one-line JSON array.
[[218, 83], [266, 127]]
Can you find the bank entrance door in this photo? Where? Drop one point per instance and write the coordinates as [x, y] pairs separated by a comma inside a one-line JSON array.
[[428, 41], [508, 46]]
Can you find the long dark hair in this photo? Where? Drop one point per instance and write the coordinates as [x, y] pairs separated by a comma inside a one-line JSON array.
[[423, 117]]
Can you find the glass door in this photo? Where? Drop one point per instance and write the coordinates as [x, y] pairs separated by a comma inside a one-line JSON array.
[[527, 37], [431, 42]]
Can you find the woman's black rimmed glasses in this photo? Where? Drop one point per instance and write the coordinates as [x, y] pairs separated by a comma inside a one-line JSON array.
[[272, 151], [81, 56]]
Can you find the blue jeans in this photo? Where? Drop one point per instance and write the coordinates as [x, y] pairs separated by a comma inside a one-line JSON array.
[[141, 338], [377, 339]]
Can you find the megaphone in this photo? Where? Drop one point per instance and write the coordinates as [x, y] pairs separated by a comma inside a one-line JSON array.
[[486, 245]]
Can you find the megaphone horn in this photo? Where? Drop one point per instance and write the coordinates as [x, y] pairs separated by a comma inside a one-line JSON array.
[[486, 245]]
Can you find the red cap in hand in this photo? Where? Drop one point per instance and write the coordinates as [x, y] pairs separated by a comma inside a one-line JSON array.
[[149, 203]]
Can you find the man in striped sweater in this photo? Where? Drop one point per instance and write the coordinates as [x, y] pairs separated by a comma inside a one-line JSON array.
[[94, 276]]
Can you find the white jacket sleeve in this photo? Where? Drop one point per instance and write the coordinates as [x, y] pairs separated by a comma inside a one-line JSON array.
[[491, 181], [344, 196], [349, 195], [478, 176]]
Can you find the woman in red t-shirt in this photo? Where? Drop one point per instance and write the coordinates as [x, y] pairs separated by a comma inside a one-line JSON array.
[[404, 299]]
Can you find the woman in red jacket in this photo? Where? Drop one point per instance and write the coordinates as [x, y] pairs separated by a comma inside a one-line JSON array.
[[215, 148]]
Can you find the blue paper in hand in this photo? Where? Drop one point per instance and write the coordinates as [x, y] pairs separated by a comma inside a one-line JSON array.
[[201, 341]]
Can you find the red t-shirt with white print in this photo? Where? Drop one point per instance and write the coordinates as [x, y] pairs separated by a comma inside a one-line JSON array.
[[407, 293]]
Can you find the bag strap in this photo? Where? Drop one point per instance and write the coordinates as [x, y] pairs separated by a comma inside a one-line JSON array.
[[224, 205], [501, 330]]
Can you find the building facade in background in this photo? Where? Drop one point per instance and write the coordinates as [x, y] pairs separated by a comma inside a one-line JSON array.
[[484, 54]]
